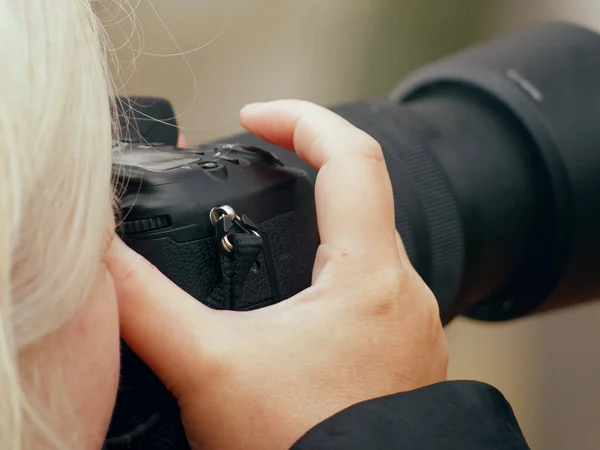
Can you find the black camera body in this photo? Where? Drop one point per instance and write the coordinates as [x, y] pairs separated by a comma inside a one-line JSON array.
[[165, 215], [166, 198]]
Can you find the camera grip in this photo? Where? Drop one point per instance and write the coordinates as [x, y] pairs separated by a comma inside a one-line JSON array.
[[147, 416], [190, 265], [293, 240]]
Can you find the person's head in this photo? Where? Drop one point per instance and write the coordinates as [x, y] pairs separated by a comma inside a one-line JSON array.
[[59, 340]]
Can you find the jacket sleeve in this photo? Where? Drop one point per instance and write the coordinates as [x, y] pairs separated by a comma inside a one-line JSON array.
[[454, 415]]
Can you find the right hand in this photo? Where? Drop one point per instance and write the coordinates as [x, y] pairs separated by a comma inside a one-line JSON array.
[[367, 327]]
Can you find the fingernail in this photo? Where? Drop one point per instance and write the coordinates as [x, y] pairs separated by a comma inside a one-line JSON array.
[[253, 107]]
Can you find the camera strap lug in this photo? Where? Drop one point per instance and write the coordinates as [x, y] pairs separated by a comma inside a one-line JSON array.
[[241, 244], [224, 218]]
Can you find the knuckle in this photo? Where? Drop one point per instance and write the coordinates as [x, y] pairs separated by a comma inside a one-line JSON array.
[[392, 281], [430, 305], [369, 148], [388, 284], [426, 306], [303, 128], [413, 298], [411, 315], [306, 135]]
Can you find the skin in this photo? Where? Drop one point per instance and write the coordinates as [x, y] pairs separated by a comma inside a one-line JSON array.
[[79, 364], [367, 327]]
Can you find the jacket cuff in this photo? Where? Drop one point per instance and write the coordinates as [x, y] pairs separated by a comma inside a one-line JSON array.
[[465, 415]]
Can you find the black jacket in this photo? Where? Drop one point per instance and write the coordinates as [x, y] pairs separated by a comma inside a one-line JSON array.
[[455, 415]]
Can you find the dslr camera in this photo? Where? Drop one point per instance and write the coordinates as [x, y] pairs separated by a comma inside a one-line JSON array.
[[494, 158]]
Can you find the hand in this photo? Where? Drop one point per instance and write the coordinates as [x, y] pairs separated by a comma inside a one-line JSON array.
[[366, 328]]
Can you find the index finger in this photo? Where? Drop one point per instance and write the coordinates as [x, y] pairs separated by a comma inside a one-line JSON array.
[[163, 325], [354, 199]]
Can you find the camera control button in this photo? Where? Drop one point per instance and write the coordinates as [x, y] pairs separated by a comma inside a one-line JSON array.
[[249, 152], [210, 165], [146, 225], [215, 170], [228, 158]]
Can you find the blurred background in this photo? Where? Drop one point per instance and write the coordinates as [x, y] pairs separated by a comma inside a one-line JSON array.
[[210, 57]]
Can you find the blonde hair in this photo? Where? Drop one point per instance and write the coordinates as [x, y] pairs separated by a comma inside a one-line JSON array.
[[55, 158]]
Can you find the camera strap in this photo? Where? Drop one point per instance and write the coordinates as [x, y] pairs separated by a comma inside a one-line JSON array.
[[240, 247]]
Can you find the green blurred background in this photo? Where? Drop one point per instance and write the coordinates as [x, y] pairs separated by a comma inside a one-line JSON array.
[[331, 51]]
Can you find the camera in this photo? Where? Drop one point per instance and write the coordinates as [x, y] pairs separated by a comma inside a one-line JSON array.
[[231, 225], [493, 157], [181, 208]]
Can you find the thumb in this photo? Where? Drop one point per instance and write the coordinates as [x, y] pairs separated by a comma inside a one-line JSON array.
[[167, 328]]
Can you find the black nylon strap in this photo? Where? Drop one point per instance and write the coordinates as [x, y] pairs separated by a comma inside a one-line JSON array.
[[235, 267]]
